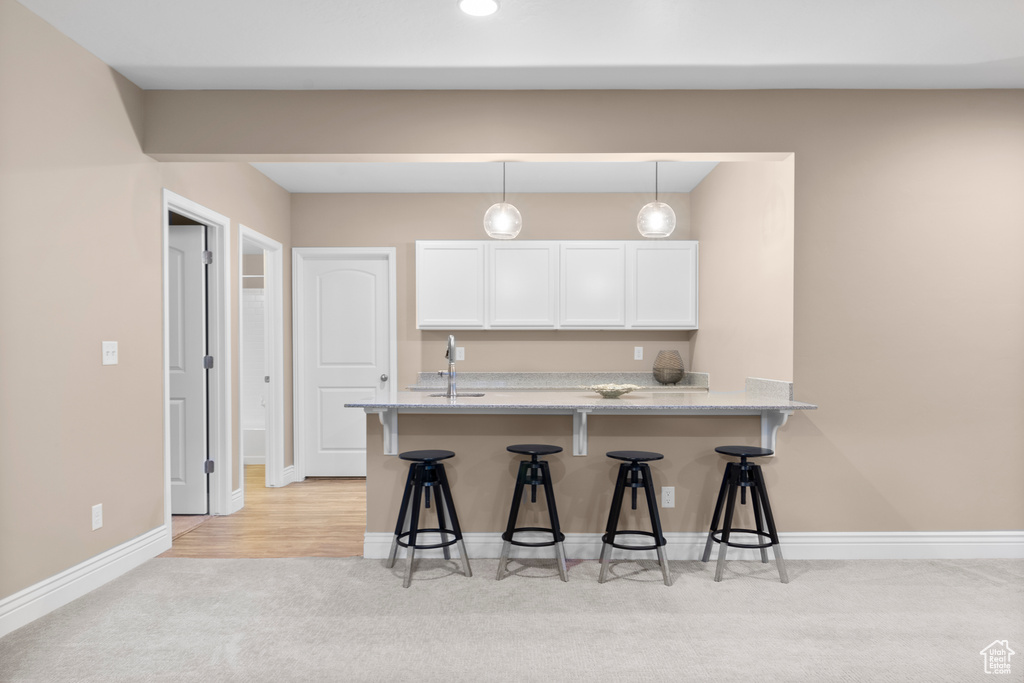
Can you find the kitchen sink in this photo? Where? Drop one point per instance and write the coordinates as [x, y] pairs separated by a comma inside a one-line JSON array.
[[461, 394]]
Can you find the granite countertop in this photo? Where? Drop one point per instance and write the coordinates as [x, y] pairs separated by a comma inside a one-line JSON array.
[[554, 381], [759, 395]]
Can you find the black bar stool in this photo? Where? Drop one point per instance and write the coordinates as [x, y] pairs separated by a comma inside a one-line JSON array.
[[634, 473], [533, 473], [743, 475], [425, 473]]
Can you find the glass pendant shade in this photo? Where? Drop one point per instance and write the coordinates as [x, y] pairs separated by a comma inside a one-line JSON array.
[[503, 221], [479, 8], [656, 219]]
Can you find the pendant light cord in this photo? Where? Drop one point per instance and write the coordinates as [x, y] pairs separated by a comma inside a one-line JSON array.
[[503, 182], [655, 181]]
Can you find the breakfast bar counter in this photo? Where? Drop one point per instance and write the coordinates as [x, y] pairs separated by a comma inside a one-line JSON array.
[[770, 399]]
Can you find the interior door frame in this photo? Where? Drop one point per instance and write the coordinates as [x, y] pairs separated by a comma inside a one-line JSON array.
[[300, 257], [219, 346], [273, 287]]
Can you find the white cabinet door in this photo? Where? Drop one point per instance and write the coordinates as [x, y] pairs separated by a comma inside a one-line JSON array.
[[592, 283], [661, 285], [450, 285], [522, 281]]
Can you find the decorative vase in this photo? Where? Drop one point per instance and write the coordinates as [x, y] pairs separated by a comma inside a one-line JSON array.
[[668, 367]]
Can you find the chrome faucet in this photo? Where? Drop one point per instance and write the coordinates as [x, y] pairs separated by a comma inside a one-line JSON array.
[[450, 355]]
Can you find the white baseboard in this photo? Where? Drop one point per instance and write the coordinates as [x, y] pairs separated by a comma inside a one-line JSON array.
[[237, 500], [35, 601], [254, 460], [918, 545]]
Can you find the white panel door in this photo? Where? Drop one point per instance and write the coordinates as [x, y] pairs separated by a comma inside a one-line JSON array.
[[346, 358], [661, 289], [187, 346], [592, 277], [523, 285], [449, 284]]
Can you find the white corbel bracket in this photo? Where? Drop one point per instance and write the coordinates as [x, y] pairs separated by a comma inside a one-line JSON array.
[[579, 432], [771, 420], [389, 421]]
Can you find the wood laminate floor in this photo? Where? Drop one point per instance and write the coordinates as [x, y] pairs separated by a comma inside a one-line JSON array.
[[316, 518]]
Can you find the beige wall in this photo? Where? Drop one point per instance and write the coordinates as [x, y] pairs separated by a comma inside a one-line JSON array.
[[80, 262], [338, 220], [743, 219], [908, 313]]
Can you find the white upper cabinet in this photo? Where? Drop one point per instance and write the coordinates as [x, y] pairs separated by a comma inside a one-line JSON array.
[[450, 284], [661, 285], [522, 283], [568, 284], [592, 283]]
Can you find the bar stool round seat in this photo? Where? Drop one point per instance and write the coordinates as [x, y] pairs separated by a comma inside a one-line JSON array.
[[533, 473], [634, 473], [743, 475], [538, 449], [426, 456], [635, 456], [427, 473], [744, 451]]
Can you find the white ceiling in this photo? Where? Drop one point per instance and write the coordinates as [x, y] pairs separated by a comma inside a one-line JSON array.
[[520, 177], [541, 44]]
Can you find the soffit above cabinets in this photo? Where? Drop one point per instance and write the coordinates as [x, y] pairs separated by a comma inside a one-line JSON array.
[[486, 177]]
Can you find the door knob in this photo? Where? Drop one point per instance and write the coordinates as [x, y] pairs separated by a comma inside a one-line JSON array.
[[384, 377]]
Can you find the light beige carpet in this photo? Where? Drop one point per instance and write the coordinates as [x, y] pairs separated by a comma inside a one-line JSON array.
[[349, 619]]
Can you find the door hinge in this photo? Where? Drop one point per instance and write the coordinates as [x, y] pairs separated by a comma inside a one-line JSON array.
[[266, 378], [208, 466], [207, 362], [207, 257]]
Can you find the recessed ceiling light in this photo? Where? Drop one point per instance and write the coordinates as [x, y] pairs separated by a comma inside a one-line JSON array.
[[478, 8]]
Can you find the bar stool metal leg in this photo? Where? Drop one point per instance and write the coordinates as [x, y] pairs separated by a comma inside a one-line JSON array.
[[755, 502], [455, 520], [513, 515], [730, 507], [652, 510], [613, 521], [718, 512], [402, 510], [556, 528], [440, 520], [413, 524], [770, 519]]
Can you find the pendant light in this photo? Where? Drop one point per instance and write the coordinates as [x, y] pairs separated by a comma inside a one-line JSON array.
[[479, 8], [656, 219], [502, 221]]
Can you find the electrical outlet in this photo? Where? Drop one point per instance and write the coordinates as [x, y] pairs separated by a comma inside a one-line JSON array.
[[668, 496], [109, 352], [638, 353], [460, 353], [97, 516]]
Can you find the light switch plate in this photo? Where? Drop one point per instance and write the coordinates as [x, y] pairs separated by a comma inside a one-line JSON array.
[[638, 353], [97, 516], [110, 353], [460, 353]]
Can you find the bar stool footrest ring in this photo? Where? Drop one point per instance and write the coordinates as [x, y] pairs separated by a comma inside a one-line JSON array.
[[528, 544], [621, 546], [422, 546], [716, 536]]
